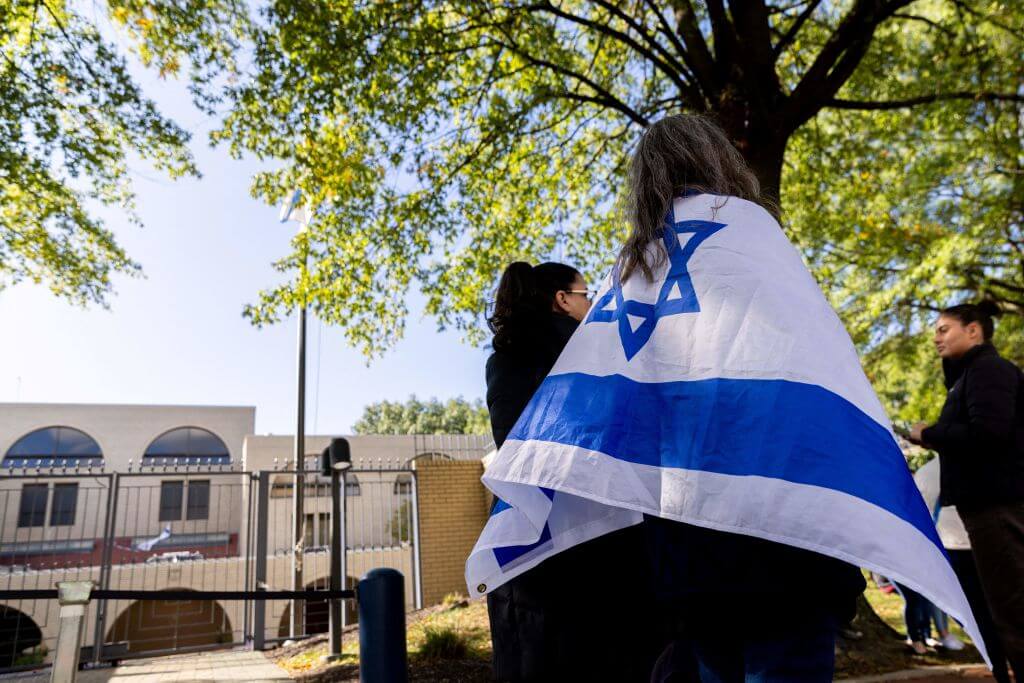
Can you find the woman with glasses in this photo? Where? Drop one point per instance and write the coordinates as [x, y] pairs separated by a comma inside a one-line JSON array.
[[550, 622], [536, 310]]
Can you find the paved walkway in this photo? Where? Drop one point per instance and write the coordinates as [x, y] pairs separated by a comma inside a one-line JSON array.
[[221, 665], [971, 673]]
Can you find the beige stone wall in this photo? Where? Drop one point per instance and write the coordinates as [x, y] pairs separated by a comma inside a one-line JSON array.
[[123, 432], [453, 509], [369, 451]]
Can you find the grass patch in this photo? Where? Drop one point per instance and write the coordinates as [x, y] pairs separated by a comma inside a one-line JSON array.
[[443, 643], [311, 658], [454, 634], [469, 623], [889, 606]]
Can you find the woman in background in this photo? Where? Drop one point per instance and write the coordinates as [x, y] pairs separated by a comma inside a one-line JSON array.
[[549, 623]]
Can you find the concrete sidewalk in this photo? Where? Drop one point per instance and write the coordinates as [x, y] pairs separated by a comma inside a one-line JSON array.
[[933, 674], [221, 665]]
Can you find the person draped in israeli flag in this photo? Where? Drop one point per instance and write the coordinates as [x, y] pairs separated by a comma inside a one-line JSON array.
[[712, 396]]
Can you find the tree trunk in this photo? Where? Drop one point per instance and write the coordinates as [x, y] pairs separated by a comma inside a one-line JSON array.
[[759, 135], [765, 160]]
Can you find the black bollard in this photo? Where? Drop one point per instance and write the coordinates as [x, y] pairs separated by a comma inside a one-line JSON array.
[[382, 656]]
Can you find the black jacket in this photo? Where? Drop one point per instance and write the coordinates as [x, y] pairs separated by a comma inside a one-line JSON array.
[[980, 432], [514, 374], [552, 622], [710, 583]]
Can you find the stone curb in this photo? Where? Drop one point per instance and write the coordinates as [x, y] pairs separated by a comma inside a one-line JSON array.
[[924, 672]]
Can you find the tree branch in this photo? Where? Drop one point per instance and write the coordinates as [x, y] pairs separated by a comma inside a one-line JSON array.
[[723, 33], [699, 59], [666, 30], [868, 105], [577, 97], [839, 57], [1016, 33], [603, 95], [924, 20], [641, 30], [751, 20], [675, 75], [790, 35]]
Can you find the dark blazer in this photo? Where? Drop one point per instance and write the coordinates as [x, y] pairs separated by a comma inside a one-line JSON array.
[[550, 623], [513, 374], [980, 433]]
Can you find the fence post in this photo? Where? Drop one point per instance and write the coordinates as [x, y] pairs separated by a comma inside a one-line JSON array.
[[416, 569], [104, 583], [337, 552], [250, 522], [259, 619], [73, 597], [382, 656], [343, 530]]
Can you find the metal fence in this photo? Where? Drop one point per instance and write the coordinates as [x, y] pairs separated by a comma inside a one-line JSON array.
[[379, 513], [176, 526]]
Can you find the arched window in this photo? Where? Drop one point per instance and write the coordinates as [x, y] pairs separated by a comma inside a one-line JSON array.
[[430, 456], [54, 446], [403, 485], [189, 444]]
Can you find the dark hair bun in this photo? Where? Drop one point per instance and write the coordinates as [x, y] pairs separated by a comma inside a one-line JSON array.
[[524, 297], [989, 308], [519, 270]]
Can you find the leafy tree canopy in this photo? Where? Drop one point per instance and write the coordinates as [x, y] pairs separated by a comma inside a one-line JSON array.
[[440, 140], [905, 210], [454, 416], [71, 116]]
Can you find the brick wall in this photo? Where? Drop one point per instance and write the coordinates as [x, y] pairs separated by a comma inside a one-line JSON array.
[[453, 509]]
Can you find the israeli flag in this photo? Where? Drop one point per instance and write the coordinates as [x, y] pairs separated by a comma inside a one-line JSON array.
[[725, 394]]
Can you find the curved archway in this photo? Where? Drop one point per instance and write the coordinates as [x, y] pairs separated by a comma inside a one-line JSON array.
[[317, 613], [169, 624], [54, 446], [188, 444], [428, 455], [20, 639]]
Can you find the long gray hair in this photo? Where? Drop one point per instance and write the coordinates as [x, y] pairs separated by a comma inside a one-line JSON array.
[[677, 154]]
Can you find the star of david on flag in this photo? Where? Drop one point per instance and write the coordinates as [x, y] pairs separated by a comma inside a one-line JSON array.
[[636, 319]]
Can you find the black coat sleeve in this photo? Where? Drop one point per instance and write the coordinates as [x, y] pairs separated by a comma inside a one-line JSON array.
[[510, 387], [990, 389]]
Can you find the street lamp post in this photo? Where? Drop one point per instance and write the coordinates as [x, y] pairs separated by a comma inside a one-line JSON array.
[[292, 210]]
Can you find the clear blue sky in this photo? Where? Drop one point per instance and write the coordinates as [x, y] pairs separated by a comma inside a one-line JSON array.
[[177, 336]]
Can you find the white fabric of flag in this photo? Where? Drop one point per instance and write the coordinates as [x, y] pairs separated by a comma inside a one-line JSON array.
[[148, 544], [725, 394]]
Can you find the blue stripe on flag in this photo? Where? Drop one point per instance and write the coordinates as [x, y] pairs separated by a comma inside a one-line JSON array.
[[509, 554], [501, 506], [797, 432]]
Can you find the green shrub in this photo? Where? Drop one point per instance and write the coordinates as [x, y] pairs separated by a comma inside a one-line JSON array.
[[443, 643], [36, 656]]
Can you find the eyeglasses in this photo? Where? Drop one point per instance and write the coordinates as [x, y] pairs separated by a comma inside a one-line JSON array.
[[589, 293]]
